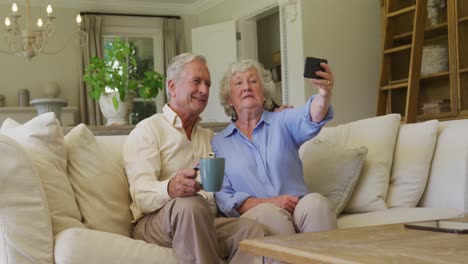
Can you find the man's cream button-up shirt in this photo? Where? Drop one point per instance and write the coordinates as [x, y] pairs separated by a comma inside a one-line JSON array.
[[154, 151]]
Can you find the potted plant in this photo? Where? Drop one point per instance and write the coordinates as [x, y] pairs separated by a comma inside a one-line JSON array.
[[114, 82]]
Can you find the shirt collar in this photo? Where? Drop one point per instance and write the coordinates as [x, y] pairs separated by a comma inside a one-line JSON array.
[[174, 118], [231, 128]]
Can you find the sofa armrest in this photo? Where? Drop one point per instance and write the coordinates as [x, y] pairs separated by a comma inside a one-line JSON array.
[[79, 245]]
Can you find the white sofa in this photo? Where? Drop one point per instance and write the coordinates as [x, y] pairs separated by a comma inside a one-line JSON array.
[[412, 172], [65, 199]]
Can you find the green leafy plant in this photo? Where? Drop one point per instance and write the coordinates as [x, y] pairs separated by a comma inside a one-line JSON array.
[[118, 72]]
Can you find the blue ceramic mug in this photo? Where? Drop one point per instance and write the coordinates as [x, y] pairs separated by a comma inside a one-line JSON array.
[[212, 173]]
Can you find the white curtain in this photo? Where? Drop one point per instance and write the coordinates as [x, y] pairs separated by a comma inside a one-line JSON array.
[[90, 113], [171, 45]]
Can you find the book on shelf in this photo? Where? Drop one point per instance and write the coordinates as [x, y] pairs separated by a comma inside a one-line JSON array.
[[436, 107]]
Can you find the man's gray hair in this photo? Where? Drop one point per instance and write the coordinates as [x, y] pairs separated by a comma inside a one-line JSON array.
[[266, 83], [177, 66]]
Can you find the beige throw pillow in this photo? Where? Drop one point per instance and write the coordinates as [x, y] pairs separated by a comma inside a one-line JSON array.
[[96, 172], [412, 161], [332, 170], [42, 139], [378, 135], [25, 228]]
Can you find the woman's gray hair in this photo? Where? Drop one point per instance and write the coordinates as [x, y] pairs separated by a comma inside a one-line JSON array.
[[266, 82], [177, 66]]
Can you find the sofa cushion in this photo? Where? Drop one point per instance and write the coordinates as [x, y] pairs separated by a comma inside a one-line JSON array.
[[396, 215], [332, 170], [97, 175], [448, 179], [78, 246], [411, 163], [25, 228], [378, 135], [42, 140]]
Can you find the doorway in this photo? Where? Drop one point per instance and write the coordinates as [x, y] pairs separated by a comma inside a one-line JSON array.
[[258, 37]]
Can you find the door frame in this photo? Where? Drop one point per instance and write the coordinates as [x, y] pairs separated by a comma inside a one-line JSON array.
[[244, 26]]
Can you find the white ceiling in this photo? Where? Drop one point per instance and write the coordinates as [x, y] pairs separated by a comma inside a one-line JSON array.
[[169, 7], [171, 1]]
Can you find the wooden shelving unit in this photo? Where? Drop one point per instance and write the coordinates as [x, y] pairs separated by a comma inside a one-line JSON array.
[[462, 51], [403, 89]]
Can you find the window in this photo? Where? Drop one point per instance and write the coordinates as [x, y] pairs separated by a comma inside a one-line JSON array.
[[145, 36]]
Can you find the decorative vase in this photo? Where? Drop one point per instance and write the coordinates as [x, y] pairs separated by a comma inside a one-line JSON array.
[[119, 116], [433, 10], [276, 58], [23, 97], [51, 89], [434, 59]]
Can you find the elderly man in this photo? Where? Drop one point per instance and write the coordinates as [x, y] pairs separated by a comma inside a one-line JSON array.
[[168, 206]]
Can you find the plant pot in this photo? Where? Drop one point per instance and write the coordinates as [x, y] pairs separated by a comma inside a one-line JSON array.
[[119, 116]]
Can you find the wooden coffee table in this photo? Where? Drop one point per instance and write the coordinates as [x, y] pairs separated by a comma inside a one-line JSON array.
[[377, 244]]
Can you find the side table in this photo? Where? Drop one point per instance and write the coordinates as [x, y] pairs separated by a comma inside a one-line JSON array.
[[44, 105]]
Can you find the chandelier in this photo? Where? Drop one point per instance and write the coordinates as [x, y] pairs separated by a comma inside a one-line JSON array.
[[30, 42]]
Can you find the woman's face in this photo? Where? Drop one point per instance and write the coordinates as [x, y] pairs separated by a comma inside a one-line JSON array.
[[246, 91]]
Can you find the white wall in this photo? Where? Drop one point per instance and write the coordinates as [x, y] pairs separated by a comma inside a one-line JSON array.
[[233, 9], [18, 73], [348, 34]]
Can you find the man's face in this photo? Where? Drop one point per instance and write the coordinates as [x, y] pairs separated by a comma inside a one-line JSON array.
[[191, 91]]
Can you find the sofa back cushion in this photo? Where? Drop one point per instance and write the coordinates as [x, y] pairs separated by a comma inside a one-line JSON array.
[[378, 135], [25, 228], [448, 179], [96, 172], [332, 170], [411, 163], [42, 140]]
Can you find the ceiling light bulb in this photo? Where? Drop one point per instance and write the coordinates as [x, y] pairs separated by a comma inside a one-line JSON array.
[[7, 21], [78, 19], [14, 8], [39, 22], [49, 9]]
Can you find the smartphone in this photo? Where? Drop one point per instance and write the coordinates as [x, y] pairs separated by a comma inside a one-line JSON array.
[[311, 66], [440, 226]]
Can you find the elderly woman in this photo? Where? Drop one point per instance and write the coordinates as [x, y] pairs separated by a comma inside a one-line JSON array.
[[263, 176]]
